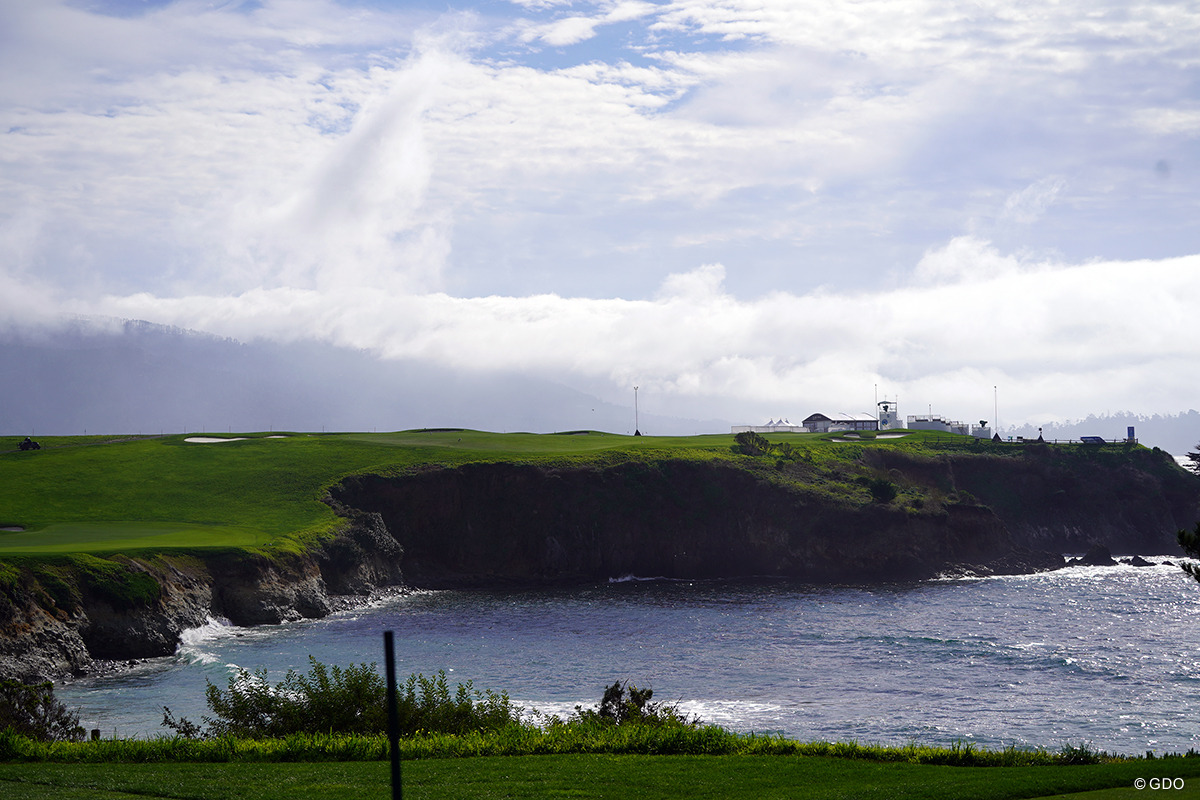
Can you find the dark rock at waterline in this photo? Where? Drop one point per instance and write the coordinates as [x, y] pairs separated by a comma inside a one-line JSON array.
[[1097, 556], [1022, 561], [1138, 561]]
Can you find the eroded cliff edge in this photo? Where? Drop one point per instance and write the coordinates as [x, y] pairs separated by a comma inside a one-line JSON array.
[[887, 515], [62, 616], [890, 515]]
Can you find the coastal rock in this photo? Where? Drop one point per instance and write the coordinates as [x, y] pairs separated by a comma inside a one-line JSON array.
[[1097, 556], [36, 645], [81, 624], [1138, 561], [1022, 561], [113, 632], [362, 558], [250, 589]]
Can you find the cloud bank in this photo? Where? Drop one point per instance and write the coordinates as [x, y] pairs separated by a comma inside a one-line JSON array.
[[749, 209]]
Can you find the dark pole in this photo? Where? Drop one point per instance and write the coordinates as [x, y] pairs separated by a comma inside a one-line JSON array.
[[389, 657]]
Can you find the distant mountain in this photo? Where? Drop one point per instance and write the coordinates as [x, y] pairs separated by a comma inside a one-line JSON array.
[[114, 376], [1177, 434]]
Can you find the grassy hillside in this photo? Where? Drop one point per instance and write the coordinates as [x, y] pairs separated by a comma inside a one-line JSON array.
[[104, 494], [94, 494]]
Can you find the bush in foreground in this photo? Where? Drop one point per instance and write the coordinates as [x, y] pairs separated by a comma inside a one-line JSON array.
[[337, 700], [31, 710], [338, 714]]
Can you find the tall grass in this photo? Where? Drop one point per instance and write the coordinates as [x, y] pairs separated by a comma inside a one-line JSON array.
[[524, 740]]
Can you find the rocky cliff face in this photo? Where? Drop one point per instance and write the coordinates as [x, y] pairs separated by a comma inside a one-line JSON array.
[[59, 617], [1065, 499], [491, 524]]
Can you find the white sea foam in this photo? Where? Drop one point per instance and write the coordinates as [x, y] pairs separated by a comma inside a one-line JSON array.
[[648, 579], [740, 714], [193, 642], [635, 579]]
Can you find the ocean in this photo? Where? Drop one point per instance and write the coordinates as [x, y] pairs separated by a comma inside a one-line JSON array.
[[1107, 657]]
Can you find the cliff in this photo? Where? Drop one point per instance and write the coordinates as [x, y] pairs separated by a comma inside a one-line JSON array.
[[880, 514], [494, 524], [60, 616]]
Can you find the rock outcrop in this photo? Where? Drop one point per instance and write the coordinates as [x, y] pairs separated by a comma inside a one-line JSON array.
[[498, 524], [60, 617]]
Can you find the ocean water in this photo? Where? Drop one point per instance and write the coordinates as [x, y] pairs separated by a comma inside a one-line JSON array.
[[1103, 656]]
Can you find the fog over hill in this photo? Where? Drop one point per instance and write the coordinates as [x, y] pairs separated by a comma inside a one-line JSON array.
[[124, 376], [136, 377], [1175, 433]]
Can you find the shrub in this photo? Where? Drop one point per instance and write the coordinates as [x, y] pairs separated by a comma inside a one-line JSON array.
[[626, 704], [350, 700], [31, 710], [751, 444], [882, 490]]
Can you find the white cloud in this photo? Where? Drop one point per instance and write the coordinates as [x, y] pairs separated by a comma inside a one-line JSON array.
[[1055, 336], [964, 258], [569, 30], [445, 188], [1029, 204]]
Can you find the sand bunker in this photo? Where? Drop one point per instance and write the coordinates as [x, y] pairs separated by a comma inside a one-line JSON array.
[[12, 529], [853, 437], [214, 439]]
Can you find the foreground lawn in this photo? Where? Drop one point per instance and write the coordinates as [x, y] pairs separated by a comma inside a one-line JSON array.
[[593, 776]]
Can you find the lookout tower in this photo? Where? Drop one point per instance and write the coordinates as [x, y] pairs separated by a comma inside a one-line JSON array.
[[888, 414]]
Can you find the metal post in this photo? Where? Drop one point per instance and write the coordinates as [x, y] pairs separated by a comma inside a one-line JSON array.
[[637, 431], [389, 657]]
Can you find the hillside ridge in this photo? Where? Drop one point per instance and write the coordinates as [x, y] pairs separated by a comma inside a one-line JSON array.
[[859, 514]]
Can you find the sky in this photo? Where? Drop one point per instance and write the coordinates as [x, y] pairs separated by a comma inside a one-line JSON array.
[[749, 209]]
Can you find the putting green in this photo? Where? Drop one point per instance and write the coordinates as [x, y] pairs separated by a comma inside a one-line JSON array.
[[83, 537]]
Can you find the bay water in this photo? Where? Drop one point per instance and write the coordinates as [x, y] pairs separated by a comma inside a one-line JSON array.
[[1107, 657]]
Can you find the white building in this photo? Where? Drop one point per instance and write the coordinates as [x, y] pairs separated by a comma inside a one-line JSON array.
[[773, 426], [819, 423], [888, 413], [937, 423]]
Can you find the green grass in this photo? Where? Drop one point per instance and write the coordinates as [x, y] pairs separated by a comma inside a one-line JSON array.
[[81, 494], [84, 537], [589, 776], [104, 495]]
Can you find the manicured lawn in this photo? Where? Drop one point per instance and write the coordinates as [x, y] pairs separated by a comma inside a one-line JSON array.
[[592, 776], [88, 495], [82, 537]]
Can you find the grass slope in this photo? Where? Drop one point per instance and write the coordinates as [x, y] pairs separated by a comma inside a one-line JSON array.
[[90, 496], [591, 776], [98, 495]]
